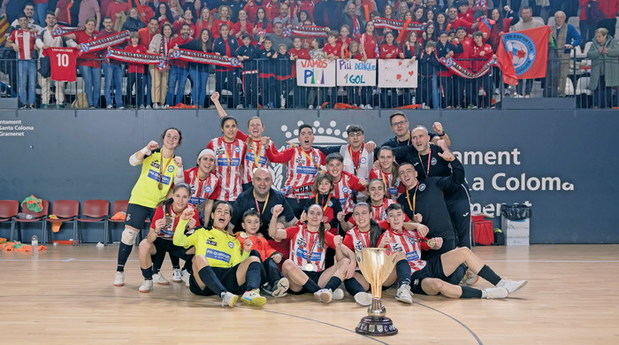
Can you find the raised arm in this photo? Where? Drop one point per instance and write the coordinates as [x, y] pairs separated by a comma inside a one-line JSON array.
[[179, 238], [437, 127], [137, 158], [220, 110]]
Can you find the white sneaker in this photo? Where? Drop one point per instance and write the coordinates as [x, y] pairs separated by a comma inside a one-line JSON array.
[[511, 285], [494, 292], [404, 294], [185, 277], [253, 298], [147, 106], [156, 106], [338, 294], [166, 106], [368, 107], [324, 295], [363, 299], [177, 275], [146, 286], [239, 106], [310, 107], [159, 279], [109, 106], [121, 108], [281, 288], [228, 299], [119, 279]]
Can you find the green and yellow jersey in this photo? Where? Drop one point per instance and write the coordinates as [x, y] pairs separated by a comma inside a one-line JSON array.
[[219, 247], [155, 181]]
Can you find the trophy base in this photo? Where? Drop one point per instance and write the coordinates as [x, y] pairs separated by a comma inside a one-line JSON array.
[[376, 326]]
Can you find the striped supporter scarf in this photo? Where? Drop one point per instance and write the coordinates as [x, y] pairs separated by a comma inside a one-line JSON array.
[[137, 58], [456, 68], [204, 58], [65, 30], [307, 31], [385, 23], [105, 42]]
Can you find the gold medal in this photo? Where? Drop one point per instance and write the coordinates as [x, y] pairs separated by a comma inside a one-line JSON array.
[[308, 267], [160, 186], [243, 234]]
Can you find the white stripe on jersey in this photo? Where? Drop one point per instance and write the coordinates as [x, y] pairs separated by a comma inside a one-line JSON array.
[[407, 243], [343, 192], [300, 173], [299, 250], [250, 164], [380, 212], [360, 240], [201, 190]]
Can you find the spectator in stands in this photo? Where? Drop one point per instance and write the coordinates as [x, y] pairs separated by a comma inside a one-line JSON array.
[[145, 11], [502, 21], [609, 9], [164, 14], [277, 36], [135, 72], [27, 11], [353, 21], [89, 9], [225, 77], [390, 50], [41, 11], [178, 72], [187, 18], [205, 21], [66, 12], [22, 41], [12, 8], [441, 22], [133, 22], [112, 73], [116, 9], [283, 76], [252, 8], [160, 44], [243, 26], [329, 13], [261, 24], [46, 40], [224, 18], [446, 48], [89, 64], [565, 38], [525, 86], [482, 52], [604, 55], [146, 34], [197, 71], [247, 54], [284, 15]]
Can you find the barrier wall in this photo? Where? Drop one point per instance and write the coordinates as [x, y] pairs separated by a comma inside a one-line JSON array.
[[562, 161]]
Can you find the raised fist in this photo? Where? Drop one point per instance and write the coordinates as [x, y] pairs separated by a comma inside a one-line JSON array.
[[152, 145], [187, 214], [179, 161], [215, 97], [437, 127], [277, 210]]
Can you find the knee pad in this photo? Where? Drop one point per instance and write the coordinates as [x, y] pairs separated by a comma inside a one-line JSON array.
[[128, 237]]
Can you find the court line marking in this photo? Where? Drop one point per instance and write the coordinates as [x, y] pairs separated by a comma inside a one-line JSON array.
[[473, 334]]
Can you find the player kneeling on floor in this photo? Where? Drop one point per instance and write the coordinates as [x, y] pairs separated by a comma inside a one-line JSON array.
[[440, 274], [221, 265], [159, 238]]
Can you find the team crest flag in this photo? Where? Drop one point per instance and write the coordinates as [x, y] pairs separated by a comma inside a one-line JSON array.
[[523, 54]]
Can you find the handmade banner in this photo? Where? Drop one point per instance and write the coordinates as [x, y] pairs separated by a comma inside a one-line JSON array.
[[105, 42], [400, 73], [316, 73], [204, 58], [307, 31], [356, 72], [131, 57], [393, 24], [524, 54], [463, 72]]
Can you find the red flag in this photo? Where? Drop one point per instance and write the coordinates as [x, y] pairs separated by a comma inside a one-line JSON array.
[[523, 54]]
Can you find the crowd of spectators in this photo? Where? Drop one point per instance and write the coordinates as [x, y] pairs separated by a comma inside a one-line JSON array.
[[258, 33]]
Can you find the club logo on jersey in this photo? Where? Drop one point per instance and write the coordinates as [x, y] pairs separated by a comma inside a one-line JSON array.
[[210, 242], [359, 245], [300, 160], [230, 244], [346, 190], [237, 149], [155, 164], [363, 160], [220, 150], [207, 189], [422, 187], [301, 242], [396, 247], [171, 168], [433, 161]]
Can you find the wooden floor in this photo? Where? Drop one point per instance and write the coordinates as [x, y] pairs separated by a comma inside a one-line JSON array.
[[65, 296]]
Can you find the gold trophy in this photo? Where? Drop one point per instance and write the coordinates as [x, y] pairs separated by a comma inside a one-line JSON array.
[[376, 265]]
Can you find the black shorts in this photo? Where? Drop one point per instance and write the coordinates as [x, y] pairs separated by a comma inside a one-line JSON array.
[[164, 245], [434, 269], [227, 277], [137, 215]]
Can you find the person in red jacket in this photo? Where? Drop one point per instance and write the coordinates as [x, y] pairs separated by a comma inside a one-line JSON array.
[[481, 52], [298, 52], [463, 86], [89, 64], [135, 72], [179, 71], [186, 19]]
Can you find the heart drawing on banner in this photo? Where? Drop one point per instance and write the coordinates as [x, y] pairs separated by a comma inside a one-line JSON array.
[[411, 73], [398, 76]]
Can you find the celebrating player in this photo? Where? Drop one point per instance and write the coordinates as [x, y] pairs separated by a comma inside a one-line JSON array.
[[204, 183]]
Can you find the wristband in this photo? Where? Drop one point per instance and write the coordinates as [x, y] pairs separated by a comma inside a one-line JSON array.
[[146, 151]]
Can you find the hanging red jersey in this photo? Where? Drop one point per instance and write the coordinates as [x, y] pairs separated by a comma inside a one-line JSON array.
[[62, 62]]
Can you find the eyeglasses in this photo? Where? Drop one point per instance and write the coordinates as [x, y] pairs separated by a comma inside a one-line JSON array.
[[403, 122], [355, 134]]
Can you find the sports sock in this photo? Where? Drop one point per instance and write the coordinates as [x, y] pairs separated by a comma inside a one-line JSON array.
[[273, 273], [157, 260], [353, 286], [188, 261], [487, 273], [252, 277], [123, 254], [333, 283], [469, 292], [311, 286], [147, 273], [403, 272], [210, 279]]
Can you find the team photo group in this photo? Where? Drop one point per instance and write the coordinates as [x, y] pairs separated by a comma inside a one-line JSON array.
[[239, 237]]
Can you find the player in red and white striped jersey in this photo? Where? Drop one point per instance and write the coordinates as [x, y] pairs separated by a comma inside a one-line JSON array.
[[378, 199], [305, 268], [386, 169], [303, 163], [345, 183], [256, 155], [229, 152], [366, 233], [203, 181], [440, 274], [22, 41]]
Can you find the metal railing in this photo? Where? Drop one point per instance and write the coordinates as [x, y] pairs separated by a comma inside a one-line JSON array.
[[272, 85]]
